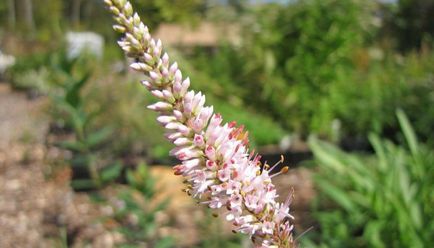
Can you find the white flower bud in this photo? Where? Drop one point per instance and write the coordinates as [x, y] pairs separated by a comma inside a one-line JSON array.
[[173, 68], [184, 86], [114, 10], [148, 58], [136, 19], [119, 28], [157, 93], [182, 142], [154, 76], [128, 9], [164, 119], [147, 84], [160, 106], [140, 67], [178, 76], [165, 60]]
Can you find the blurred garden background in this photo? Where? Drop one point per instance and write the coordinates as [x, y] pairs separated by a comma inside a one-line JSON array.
[[344, 89]]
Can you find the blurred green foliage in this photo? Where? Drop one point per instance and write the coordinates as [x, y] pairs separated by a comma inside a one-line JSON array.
[[410, 21], [136, 132], [136, 214], [319, 67], [380, 201], [212, 234], [31, 73], [154, 12], [70, 113], [305, 67], [51, 18], [294, 53], [210, 75]]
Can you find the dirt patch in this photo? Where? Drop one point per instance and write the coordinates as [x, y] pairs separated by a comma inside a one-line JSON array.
[[20, 119], [37, 210]]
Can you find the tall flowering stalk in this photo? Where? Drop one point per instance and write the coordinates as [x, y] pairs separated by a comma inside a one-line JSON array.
[[216, 163]]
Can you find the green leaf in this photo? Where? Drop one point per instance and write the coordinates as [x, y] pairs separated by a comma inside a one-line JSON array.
[[73, 146], [111, 172], [409, 134], [338, 195], [97, 137], [81, 160], [82, 184], [130, 178], [416, 215], [165, 242], [73, 94], [379, 151], [162, 205], [327, 154], [373, 233]]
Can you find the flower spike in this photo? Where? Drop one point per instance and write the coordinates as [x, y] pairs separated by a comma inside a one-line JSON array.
[[218, 168]]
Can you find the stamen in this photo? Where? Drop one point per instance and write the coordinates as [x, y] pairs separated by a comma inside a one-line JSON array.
[[277, 163], [289, 197], [304, 232], [282, 171], [266, 166]]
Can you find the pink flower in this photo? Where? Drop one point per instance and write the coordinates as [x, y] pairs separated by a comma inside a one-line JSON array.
[[216, 202], [215, 159], [216, 189], [233, 187], [223, 175], [198, 140]]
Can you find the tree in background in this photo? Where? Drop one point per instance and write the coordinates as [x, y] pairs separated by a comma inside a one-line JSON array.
[[413, 22], [294, 52], [19, 12], [49, 17], [11, 14], [155, 12]]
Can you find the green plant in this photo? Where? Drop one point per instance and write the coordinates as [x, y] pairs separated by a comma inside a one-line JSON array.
[[313, 70], [137, 135], [158, 11], [215, 75], [44, 72], [291, 58], [136, 217], [30, 72], [35, 81], [70, 111], [380, 201], [409, 23], [296, 53], [212, 235]]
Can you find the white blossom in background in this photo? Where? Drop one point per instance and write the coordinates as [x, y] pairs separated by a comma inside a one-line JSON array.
[[79, 43], [218, 168], [6, 61]]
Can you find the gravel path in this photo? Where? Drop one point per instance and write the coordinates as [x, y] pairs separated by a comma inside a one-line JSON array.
[[20, 119], [34, 210]]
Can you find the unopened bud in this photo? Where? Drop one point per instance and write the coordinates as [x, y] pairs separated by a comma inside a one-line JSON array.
[[119, 28], [114, 10], [128, 9]]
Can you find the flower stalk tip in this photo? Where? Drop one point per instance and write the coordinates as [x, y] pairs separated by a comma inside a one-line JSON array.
[[218, 169]]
